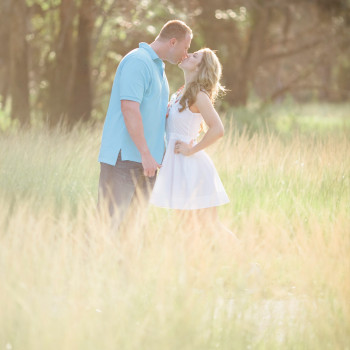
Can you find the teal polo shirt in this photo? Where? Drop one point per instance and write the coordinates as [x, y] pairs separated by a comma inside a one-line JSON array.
[[140, 77]]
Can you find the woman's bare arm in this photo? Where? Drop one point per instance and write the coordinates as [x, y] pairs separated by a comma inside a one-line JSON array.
[[212, 119]]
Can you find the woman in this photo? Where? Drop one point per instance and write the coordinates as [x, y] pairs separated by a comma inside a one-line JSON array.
[[187, 179]]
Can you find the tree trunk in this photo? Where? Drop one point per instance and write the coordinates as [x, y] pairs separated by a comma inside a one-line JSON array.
[[19, 63], [251, 59], [81, 97], [224, 36], [61, 70], [5, 20]]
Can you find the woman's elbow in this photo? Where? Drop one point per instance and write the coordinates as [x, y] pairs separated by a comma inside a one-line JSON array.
[[217, 130], [221, 131]]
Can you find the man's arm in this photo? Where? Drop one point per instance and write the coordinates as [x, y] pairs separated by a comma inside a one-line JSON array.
[[133, 121]]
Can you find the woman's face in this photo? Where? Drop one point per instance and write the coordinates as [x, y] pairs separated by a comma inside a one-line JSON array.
[[192, 61]]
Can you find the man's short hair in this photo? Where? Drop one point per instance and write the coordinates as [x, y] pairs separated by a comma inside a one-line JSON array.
[[174, 29]]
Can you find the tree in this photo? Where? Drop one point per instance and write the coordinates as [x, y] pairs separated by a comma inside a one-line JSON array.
[[19, 62], [5, 20], [80, 104], [67, 51], [273, 47], [59, 69]]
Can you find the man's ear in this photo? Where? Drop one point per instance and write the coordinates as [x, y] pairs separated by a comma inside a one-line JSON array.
[[173, 41]]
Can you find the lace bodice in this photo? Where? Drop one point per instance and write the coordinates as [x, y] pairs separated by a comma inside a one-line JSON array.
[[183, 125]]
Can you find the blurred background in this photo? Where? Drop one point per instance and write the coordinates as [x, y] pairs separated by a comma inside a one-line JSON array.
[[69, 282], [58, 57]]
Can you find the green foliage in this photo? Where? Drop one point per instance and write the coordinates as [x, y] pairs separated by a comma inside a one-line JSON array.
[[289, 118], [260, 48]]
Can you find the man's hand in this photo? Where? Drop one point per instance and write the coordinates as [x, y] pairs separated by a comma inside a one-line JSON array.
[[133, 123], [149, 164]]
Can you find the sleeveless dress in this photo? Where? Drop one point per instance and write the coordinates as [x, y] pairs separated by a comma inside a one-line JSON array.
[[186, 182]]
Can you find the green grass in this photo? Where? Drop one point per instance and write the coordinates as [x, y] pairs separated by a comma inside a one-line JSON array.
[[70, 282], [290, 118]]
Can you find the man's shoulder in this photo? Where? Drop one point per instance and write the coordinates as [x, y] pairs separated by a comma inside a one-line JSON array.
[[138, 56]]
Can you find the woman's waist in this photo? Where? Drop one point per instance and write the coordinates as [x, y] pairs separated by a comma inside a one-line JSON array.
[[180, 136]]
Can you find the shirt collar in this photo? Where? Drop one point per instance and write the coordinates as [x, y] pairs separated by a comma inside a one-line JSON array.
[[151, 52]]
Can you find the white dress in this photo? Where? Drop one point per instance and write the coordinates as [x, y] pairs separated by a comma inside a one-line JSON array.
[[186, 182]]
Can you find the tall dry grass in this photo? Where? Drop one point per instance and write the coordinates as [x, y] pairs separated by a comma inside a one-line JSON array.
[[70, 282]]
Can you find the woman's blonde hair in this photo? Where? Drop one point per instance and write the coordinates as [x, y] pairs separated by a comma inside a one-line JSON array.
[[207, 80]]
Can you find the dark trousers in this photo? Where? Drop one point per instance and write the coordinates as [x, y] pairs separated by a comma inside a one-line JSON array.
[[123, 186]]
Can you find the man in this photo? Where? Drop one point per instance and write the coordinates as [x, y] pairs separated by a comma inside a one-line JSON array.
[[132, 144]]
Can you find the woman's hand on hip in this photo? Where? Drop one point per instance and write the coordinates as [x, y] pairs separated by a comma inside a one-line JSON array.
[[183, 148]]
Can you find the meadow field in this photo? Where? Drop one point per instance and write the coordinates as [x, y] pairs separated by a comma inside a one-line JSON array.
[[70, 282]]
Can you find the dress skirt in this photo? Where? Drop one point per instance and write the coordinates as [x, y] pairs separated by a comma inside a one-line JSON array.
[[187, 182]]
